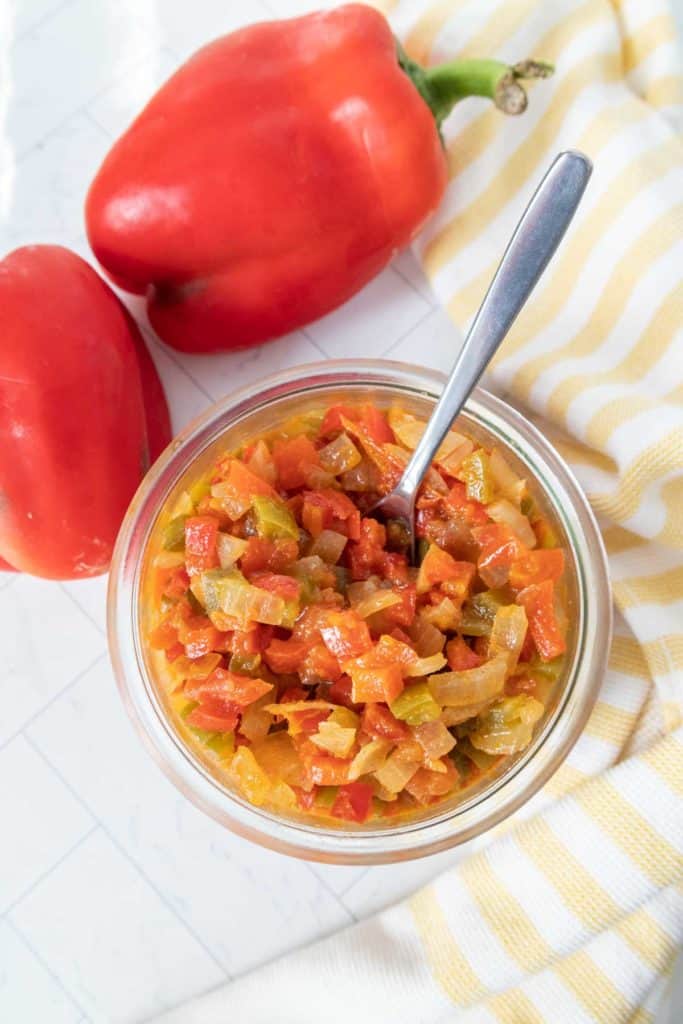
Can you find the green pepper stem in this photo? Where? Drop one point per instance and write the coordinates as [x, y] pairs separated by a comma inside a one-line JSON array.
[[444, 85]]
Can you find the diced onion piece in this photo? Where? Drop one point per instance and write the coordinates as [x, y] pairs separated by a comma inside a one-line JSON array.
[[363, 477], [434, 738], [369, 758], [261, 462], [444, 615], [169, 559], [425, 666], [228, 499], [292, 707], [503, 511], [328, 545], [454, 716], [437, 766], [427, 639], [357, 592], [395, 772], [334, 738], [256, 721], [507, 482], [507, 634], [408, 429], [230, 549], [283, 796], [507, 727], [340, 455], [249, 775], [278, 757], [196, 668], [228, 592], [455, 689], [377, 602]]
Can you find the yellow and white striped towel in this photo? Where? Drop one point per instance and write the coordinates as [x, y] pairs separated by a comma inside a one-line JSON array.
[[574, 911]]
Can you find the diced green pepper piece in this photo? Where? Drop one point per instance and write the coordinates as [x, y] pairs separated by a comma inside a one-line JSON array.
[[416, 705], [527, 506], [482, 760], [422, 549], [222, 743], [326, 796], [273, 519], [174, 534], [548, 671], [215, 583], [245, 664], [479, 612], [200, 488], [478, 478]]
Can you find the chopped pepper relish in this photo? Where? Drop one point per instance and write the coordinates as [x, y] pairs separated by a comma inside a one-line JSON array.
[[322, 673]]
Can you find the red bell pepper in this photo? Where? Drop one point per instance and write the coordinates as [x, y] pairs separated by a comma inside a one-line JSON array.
[[74, 431], [278, 171]]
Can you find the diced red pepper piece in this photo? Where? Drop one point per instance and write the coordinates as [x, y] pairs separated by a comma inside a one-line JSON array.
[[426, 784], [294, 458], [173, 653], [268, 555], [308, 721], [328, 509], [325, 771], [346, 635], [377, 424], [285, 655], [498, 549], [395, 567], [538, 603], [305, 799], [353, 802], [227, 686], [439, 567], [253, 640], [285, 587], [163, 637], [199, 639], [332, 423], [474, 511], [536, 566], [340, 692], [292, 694], [377, 720], [200, 543], [320, 664], [377, 684], [214, 716], [461, 656], [175, 582]]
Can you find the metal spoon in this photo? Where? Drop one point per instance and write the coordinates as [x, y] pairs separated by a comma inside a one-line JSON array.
[[534, 241]]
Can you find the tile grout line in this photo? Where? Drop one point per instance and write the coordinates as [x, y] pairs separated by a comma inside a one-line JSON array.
[[41, 21], [81, 609], [29, 721], [131, 860], [410, 284], [53, 867], [152, 339], [339, 895], [406, 334], [46, 967]]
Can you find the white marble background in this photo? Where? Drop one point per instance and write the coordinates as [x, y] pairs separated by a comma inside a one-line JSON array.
[[117, 897]]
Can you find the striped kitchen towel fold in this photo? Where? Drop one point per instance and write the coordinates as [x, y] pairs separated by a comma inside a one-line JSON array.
[[571, 912]]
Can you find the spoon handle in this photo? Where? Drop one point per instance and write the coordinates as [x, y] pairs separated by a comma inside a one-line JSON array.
[[536, 238]]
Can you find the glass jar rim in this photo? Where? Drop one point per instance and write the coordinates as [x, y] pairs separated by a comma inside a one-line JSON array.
[[405, 840]]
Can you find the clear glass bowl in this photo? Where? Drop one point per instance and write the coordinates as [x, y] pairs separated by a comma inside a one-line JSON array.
[[261, 407]]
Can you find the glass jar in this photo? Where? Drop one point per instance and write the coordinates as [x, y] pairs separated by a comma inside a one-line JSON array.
[[261, 407]]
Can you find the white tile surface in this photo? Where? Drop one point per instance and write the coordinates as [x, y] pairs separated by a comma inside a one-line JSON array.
[[42, 821], [206, 875], [115, 107], [372, 321], [27, 991], [45, 644], [44, 191], [78, 920]]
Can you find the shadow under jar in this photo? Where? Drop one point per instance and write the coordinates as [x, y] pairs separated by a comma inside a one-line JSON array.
[[259, 409]]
